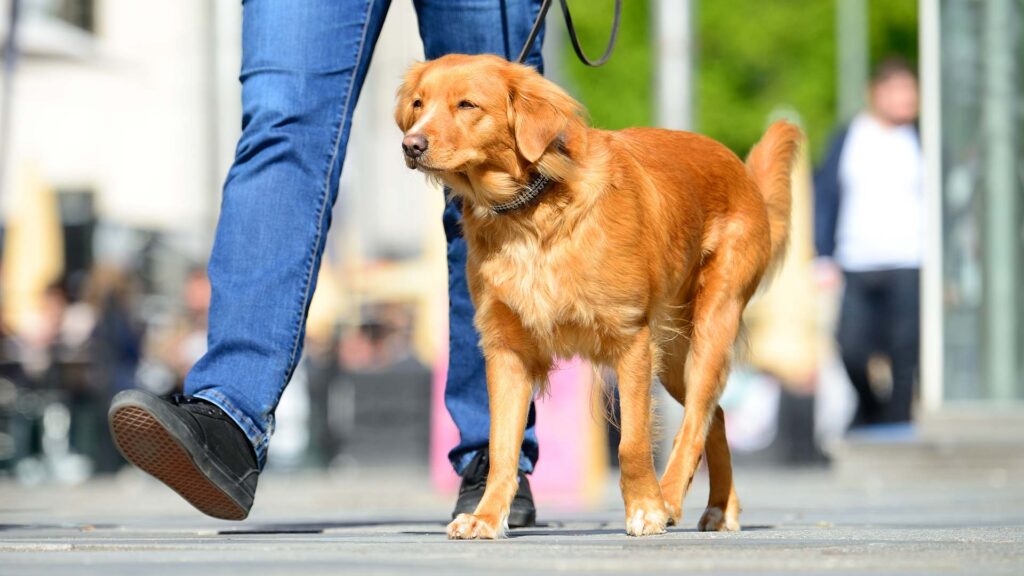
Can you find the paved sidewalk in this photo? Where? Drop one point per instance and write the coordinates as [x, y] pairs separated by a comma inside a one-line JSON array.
[[794, 522]]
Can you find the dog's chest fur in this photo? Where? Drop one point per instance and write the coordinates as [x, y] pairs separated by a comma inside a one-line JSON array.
[[555, 292]]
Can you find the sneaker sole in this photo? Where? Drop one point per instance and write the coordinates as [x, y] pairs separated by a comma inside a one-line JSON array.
[[144, 440]]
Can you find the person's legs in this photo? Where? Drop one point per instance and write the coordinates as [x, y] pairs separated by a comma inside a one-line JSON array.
[[474, 27], [303, 64], [858, 318], [904, 336]]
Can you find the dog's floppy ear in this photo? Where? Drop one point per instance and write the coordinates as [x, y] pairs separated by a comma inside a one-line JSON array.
[[539, 113], [403, 97]]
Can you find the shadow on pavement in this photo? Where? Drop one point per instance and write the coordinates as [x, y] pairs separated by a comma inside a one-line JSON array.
[[321, 527]]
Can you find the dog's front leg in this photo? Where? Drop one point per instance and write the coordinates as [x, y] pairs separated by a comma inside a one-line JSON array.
[[509, 389], [645, 508]]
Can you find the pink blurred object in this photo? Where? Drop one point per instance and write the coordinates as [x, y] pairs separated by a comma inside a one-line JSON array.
[[564, 430]]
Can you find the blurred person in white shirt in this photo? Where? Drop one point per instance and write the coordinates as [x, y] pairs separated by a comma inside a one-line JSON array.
[[868, 235]]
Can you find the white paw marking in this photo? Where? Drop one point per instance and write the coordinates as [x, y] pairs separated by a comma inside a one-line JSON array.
[[673, 518], [714, 520], [642, 523], [636, 523], [470, 527]]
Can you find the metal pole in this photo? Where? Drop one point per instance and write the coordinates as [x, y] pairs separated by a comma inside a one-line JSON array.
[[673, 24], [552, 48], [1001, 232], [227, 111], [852, 55], [932, 327], [7, 95], [211, 136]]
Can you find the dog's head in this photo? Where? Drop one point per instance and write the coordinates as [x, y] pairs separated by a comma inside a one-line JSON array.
[[481, 124]]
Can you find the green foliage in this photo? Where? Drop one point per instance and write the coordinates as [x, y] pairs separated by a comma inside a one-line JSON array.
[[753, 57], [757, 56], [893, 29], [618, 94]]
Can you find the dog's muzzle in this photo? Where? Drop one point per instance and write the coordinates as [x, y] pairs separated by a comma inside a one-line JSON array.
[[414, 146]]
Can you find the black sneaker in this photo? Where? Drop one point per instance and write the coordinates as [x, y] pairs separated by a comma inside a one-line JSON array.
[[522, 514], [190, 445]]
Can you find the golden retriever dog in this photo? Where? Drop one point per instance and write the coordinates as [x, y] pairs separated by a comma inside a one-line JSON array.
[[636, 249]]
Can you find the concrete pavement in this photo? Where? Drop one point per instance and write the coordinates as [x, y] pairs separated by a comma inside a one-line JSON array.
[[389, 522]]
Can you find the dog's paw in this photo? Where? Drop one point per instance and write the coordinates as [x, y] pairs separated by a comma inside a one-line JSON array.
[[675, 514], [715, 520], [646, 519], [471, 527]]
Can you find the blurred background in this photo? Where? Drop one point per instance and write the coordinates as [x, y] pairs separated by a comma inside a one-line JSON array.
[[118, 124]]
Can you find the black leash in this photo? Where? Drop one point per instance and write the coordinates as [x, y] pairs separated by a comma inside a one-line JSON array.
[[572, 34]]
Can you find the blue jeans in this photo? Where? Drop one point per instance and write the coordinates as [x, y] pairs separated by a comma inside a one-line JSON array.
[[303, 65]]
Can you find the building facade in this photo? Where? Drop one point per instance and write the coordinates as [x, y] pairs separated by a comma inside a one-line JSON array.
[[972, 54]]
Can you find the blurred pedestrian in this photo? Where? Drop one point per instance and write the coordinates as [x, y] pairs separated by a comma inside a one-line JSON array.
[[118, 332], [113, 353], [303, 65], [868, 234]]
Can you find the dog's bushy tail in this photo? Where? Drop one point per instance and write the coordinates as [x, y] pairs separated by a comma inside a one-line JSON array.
[[770, 163]]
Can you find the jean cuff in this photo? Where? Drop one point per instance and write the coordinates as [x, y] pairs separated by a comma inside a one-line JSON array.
[[462, 461], [257, 438]]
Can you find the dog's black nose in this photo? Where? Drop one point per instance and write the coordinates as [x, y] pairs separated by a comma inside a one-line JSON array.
[[414, 145]]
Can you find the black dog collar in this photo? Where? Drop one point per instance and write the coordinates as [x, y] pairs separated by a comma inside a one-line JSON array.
[[524, 197]]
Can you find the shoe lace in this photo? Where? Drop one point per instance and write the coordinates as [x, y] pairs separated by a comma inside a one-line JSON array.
[[195, 405], [476, 477]]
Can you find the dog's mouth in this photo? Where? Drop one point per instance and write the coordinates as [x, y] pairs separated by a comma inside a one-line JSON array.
[[419, 164]]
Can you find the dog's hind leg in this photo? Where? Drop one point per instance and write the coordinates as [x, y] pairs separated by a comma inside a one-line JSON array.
[[645, 507], [723, 511], [716, 322], [723, 508], [672, 377]]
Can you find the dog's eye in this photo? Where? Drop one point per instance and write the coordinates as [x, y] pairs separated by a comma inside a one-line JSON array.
[[466, 105], [417, 103]]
